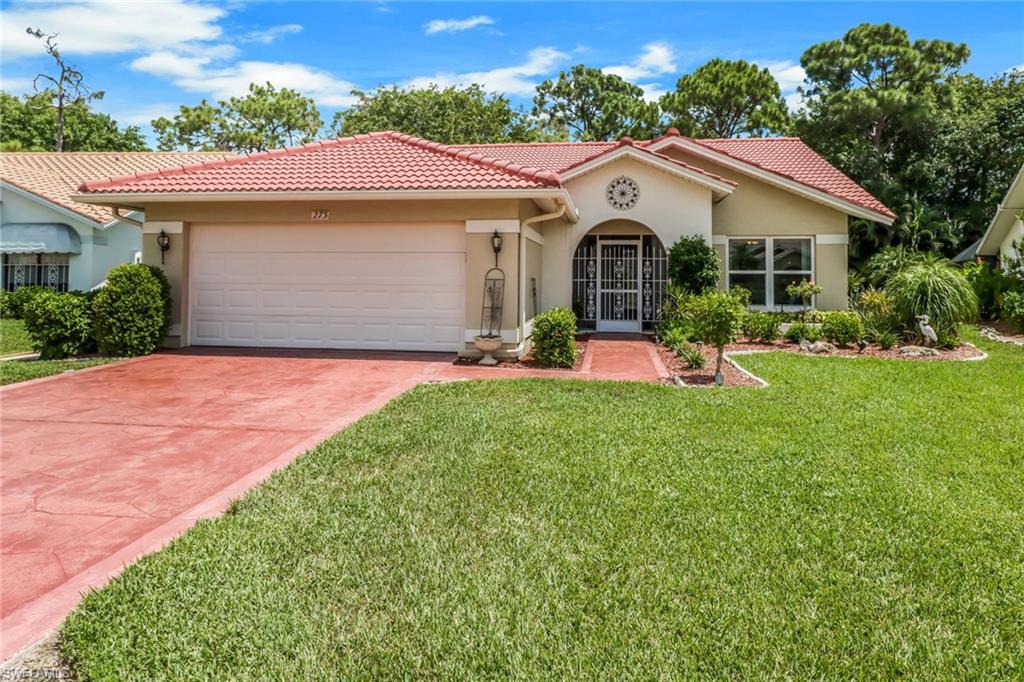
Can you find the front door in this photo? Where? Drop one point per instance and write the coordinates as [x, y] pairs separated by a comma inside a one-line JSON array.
[[619, 286]]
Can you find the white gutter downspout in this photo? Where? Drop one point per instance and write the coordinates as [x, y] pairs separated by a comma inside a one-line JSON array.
[[523, 224], [119, 216]]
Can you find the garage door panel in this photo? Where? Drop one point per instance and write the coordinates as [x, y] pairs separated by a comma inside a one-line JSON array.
[[378, 298]]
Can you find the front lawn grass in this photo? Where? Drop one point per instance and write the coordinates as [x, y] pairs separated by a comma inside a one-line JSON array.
[[14, 371], [13, 338], [860, 518]]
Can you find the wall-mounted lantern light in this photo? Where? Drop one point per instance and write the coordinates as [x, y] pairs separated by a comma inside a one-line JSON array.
[[496, 240], [163, 240]]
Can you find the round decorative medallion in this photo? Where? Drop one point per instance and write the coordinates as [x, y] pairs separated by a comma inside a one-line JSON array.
[[623, 193]]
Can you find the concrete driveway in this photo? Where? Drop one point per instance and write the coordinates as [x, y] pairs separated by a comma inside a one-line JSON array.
[[105, 464]]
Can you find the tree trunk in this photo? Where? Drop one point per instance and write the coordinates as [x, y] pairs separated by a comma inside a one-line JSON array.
[[58, 142], [718, 362]]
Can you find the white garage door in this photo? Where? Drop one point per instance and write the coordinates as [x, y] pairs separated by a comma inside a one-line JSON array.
[[372, 286]]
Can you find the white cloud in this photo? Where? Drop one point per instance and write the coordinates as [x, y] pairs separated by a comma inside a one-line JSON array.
[[789, 74], [269, 35], [142, 115], [86, 28], [455, 25], [656, 59], [15, 85], [653, 91], [794, 102], [515, 80], [198, 74]]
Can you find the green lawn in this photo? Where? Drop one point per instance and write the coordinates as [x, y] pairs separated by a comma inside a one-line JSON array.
[[13, 371], [860, 518], [13, 338]]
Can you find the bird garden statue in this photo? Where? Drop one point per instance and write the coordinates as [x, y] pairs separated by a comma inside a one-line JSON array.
[[930, 337]]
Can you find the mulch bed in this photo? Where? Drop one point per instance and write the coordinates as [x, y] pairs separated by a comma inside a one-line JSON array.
[[528, 362], [735, 377]]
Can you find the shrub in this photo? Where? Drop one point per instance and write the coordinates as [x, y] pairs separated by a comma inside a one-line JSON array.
[[802, 331], [842, 327], [674, 313], [673, 336], [761, 327], [15, 301], [693, 265], [716, 321], [990, 286], [58, 324], [936, 289], [1013, 309], [886, 339], [130, 312], [691, 355], [878, 315], [554, 338], [893, 259]]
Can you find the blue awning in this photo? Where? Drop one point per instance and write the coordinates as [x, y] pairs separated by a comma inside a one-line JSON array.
[[39, 238]]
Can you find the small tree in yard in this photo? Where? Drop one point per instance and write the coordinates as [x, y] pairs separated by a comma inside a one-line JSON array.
[[717, 316], [693, 265]]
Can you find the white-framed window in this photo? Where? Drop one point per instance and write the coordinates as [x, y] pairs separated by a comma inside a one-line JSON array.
[[767, 265]]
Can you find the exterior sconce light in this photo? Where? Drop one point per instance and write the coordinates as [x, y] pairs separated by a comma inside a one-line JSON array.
[[163, 240], [496, 240]]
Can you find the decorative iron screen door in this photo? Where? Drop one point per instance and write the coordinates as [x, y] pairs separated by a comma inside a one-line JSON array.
[[619, 295]]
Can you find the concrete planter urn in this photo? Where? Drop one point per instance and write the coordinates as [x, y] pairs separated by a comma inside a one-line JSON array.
[[487, 345]]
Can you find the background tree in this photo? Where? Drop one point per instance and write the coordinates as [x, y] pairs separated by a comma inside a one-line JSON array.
[[727, 99], [28, 124], [871, 101], [65, 89], [450, 115], [589, 105], [266, 118], [976, 150]]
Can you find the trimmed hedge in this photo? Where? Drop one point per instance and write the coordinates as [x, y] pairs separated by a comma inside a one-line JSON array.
[[842, 328], [59, 325], [12, 303], [761, 327], [132, 313], [554, 338], [802, 331]]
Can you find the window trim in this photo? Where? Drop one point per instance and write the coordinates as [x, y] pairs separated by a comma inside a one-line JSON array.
[[769, 272]]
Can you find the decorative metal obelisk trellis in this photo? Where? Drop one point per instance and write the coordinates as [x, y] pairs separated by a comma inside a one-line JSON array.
[[494, 298], [489, 340]]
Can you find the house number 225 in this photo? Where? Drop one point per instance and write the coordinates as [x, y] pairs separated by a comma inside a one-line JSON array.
[[320, 214]]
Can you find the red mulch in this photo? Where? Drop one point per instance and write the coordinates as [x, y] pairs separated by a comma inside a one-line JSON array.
[[705, 376], [527, 361], [734, 377]]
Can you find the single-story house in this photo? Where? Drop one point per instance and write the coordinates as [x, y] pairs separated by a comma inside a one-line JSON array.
[[1006, 228], [384, 241], [49, 239]]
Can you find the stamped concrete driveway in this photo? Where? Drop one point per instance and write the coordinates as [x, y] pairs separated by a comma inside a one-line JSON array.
[[103, 465]]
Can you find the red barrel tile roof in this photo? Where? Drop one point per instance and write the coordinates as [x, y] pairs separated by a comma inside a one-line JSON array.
[[394, 161]]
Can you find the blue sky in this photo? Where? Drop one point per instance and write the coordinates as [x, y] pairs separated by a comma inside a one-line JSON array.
[[150, 57]]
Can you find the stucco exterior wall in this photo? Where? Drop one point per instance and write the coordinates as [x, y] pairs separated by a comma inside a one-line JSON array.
[[669, 206], [175, 266], [758, 209], [1006, 250], [101, 249]]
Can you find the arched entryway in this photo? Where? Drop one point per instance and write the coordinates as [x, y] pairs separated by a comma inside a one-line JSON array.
[[619, 274]]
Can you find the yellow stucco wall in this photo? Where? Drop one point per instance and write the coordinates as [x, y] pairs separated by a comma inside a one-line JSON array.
[[758, 209]]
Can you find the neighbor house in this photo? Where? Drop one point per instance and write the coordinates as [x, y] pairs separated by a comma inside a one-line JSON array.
[[384, 241], [49, 239], [1007, 227]]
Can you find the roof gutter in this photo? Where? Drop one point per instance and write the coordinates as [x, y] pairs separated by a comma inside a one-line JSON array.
[[116, 210]]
